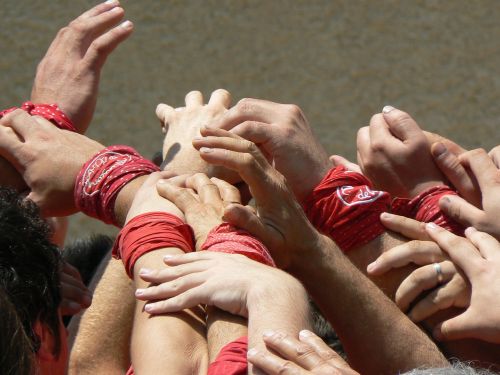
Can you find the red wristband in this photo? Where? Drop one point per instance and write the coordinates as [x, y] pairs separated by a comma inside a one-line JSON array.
[[232, 359], [227, 239], [104, 175], [50, 112], [344, 207], [425, 207], [148, 232]]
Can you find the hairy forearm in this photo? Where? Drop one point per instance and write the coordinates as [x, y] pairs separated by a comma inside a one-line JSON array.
[[100, 336], [376, 335], [223, 328]]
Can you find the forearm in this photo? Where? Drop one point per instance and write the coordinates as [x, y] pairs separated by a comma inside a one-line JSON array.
[[100, 336], [173, 342], [223, 328], [357, 309]]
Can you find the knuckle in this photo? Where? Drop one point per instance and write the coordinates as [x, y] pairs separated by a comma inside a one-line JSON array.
[[246, 105], [293, 111], [287, 368]]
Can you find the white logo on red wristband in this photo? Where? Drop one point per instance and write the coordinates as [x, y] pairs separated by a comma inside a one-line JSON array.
[[91, 183], [355, 195]]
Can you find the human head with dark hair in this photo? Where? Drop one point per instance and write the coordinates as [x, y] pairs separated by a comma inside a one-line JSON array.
[[29, 275]]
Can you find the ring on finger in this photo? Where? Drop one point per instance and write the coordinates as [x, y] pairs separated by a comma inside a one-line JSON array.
[[439, 272]]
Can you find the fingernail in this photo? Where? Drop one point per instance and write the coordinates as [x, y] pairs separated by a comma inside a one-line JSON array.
[[385, 216], [305, 333], [387, 109], [168, 257], [431, 227], [162, 181], [110, 2], [197, 138], [470, 230], [252, 352], [139, 292], [268, 334], [371, 267], [206, 150], [74, 306], [445, 201], [439, 149], [148, 308], [126, 24], [144, 271], [117, 9], [87, 300]]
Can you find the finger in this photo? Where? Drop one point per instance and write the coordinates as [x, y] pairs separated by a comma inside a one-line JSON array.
[[186, 300], [459, 327], [158, 276], [323, 350], [243, 217], [164, 113], [454, 148], [380, 136], [220, 98], [363, 144], [409, 228], [171, 288], [100, 48], [100, 8], [194, 99], [228, 192], [21, 122], [273, 365], [484, 169], [250, 110], [420, 280], [454, 171], [181, 197], [75, 294], [494, 154], [257, 132], [445, 296], [417, 252], [488, 245], [338, 160], [69, 308], [67, 268], [460, 210], [401, 125], [292, 349], [206, 189], [83, 30], [176, 260]]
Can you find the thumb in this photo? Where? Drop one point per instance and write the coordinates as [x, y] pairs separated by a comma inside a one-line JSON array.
[[245, 218], [460, 210], [340, 160], [456, 328]]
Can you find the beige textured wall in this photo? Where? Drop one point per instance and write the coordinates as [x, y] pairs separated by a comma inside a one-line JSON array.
[[341, 61]]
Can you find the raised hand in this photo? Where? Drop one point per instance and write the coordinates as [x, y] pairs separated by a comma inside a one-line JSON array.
[[201, 199], [183, 124], [393, 152], [437, 273], [306, 355], [280, 222], [479, 258], [69, 73], [49, 159], [232, 283], [487, 175], [284, 136]]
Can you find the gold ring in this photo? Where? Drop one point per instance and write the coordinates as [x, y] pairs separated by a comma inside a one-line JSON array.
[[439, 272]]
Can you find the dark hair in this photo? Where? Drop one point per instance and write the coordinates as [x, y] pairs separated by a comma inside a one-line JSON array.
[[16, 356], [86, 254], [29, 265]]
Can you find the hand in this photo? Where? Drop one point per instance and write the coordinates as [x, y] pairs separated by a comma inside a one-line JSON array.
[[285, 137], [74, 294], [340, 160], [280, 222], [460, 177], [479, 258], [69, 73], [495, 155], [201, 199], [448, 288], [307, 355], [487, 175], [182, 125], [230, 282], [147, 199], [49, 159], [389, 151]]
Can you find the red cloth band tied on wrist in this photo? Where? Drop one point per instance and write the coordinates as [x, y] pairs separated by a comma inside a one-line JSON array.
[[344, 207], [232, 359], [50, 112], [425, 207], [228, 239], [148, 232], [104, 175]]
